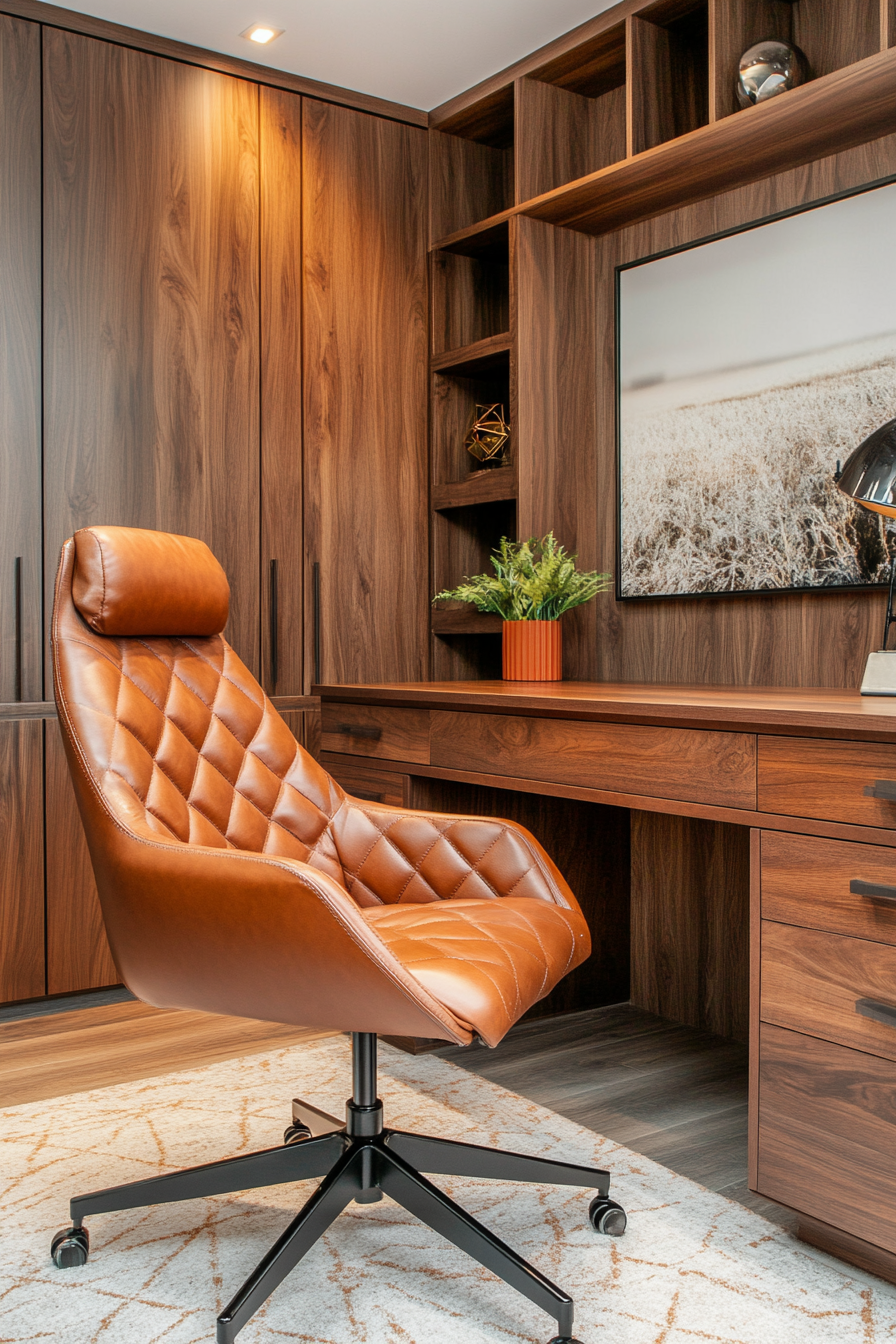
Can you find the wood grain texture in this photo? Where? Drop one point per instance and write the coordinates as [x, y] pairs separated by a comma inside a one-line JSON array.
[[813, 640], [590, 846], [827, 1129], [280, 171], [811, 712], [469, 361], [390, 734], [558, 338], [21, 861], [833, 36], [489, 486], [365, 781], [650, 109], [756, 838], [669, 762], [365, 395], [806, 882], [135, 38], [812, 980], [469, 300], [20, 357], [468, 181], [151, 306], [61, 1053], [562, 135], [690, 922], [834, 113], [33, 709], [78, 955], [826, 779], [847, 1247]]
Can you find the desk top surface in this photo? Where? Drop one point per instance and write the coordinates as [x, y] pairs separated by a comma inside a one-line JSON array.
[[772, 709]]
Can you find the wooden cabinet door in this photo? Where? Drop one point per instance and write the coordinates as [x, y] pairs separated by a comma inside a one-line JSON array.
[[21, 860], [20, 557], [78, 955], [364, 202], [280, 148], [151, 306]]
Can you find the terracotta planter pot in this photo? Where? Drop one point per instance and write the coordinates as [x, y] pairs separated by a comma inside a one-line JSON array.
[[532, 651]]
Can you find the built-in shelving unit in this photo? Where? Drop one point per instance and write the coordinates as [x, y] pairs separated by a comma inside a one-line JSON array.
[[629, 116]]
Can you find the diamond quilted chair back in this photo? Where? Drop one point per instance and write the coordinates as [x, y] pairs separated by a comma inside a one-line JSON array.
[[176, 733]]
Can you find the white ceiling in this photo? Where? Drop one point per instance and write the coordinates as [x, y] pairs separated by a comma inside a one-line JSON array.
[[419, 52]]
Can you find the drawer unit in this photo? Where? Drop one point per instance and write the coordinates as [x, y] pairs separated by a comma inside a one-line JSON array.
[[841, 989], [371, 730], [830, 780], [682, 763], [370, 783], [830, 884], [827, 1133]]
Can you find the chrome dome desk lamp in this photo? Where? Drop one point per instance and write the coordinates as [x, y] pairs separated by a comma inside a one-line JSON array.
[[869, 477]]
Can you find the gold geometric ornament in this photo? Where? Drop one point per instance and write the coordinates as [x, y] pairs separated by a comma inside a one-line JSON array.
[[489, 433]]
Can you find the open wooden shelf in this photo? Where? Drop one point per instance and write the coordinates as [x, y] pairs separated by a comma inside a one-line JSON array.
[[487, 238], [830, 114], [487, 486], [465, 623], [472, 361]]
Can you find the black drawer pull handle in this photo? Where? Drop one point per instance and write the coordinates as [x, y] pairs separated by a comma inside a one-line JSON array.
[[878, 1012], [359, 730], [369, 797], [873, 891], [881, 788]]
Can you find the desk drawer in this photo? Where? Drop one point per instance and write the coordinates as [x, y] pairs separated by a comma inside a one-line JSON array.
[[799, 777], [813, 981], [370, 730], [679, 763], [370, 783], [827, 1133], [806, 880]]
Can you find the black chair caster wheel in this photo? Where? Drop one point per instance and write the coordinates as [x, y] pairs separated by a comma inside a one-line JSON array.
[[564, 1339], [70, 1247], [296, 1133], [606, 1216]]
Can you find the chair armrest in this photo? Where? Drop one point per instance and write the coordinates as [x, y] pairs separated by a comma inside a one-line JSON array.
[[254, 935], [391, 853]]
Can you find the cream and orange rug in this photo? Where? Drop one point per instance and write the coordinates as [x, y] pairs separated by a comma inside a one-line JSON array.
[[693, 1267]]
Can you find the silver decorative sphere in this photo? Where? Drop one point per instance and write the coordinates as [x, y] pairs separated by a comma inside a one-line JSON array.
[[768, 69]]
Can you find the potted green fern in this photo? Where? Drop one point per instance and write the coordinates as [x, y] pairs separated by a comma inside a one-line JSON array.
[[534, 583]]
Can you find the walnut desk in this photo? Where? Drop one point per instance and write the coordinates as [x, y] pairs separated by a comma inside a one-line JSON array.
[[735, 850]]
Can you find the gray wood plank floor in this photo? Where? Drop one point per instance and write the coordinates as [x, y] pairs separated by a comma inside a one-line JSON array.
[[673, 1093]]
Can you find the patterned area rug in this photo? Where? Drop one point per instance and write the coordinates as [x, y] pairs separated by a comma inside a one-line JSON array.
[[693, 1267]]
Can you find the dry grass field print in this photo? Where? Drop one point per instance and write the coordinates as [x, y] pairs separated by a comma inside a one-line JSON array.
[[748, 367]]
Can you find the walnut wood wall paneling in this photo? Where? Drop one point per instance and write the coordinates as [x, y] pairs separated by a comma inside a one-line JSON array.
[[365, 391], [21, 860], [568, 476], [151, 306], [557, 323], [469, 181], [834, 35], [590, 845], [470, 299], [282, 617], [667, 77], [21, 644], [690, 921], [78, 955], [562, 135]]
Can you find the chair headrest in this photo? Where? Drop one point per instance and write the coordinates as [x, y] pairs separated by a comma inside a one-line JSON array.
[[130, 582]]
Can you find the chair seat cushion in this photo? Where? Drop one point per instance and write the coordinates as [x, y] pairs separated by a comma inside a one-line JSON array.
[[487, 961]]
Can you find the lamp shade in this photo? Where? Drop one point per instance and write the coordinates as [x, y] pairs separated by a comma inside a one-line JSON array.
[[869, 473]]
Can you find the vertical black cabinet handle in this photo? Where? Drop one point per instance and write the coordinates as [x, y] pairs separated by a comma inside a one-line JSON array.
[[878, 1012], [275, 625], [17, 583], [315, 615], [881, 788]]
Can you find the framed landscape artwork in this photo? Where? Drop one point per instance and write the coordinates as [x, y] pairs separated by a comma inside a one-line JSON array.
[[747, 366]]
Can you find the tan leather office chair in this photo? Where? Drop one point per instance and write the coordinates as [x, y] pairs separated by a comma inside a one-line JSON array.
[[237, 877]]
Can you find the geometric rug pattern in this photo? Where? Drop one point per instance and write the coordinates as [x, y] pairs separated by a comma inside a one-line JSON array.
[[692, 1268]]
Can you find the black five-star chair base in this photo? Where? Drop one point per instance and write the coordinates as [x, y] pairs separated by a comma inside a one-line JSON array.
[[359, 1161]]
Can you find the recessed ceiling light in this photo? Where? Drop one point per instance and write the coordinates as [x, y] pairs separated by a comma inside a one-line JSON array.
[[261, 32]]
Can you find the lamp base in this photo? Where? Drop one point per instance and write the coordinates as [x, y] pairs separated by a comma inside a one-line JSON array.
[[880, 673]]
